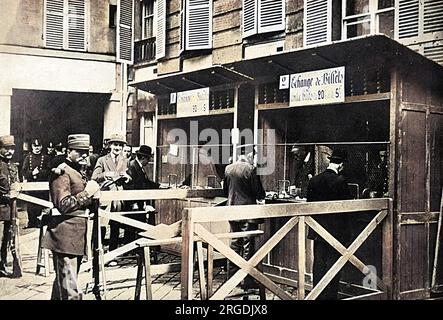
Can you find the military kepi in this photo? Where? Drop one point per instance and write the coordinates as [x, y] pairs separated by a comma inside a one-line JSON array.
[[78, 141], [7, 141]]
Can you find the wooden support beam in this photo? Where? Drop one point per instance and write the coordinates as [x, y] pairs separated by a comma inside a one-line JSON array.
[[338, 265], [187, 255], [201, 271], [301, 258]]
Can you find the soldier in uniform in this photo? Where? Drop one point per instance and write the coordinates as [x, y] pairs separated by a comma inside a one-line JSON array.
[[66, 233], [8, 175], [35, 168]]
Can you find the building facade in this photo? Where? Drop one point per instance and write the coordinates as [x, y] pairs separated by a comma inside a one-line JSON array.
[[61, 72]]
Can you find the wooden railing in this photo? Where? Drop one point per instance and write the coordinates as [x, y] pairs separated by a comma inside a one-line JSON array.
[[300, 215], [144, 50]]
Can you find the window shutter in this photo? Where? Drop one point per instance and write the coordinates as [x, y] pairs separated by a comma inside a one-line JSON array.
[[199, 24], [160, 49], [76, 24], [408, 18], [271, 15], [125, 34], [182, 26], [54, 24], [249, 17], [318, 21], [433, 16]]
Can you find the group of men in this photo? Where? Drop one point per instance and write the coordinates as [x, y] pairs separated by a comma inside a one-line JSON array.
[[71, 193]]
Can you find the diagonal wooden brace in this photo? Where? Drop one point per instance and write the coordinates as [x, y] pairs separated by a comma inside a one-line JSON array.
[[346, 254], [247, 266]]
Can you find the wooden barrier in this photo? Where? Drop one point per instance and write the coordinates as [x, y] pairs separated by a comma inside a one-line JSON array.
[[299, 214]]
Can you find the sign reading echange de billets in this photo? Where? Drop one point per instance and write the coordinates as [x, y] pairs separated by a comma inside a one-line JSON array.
[[193, 103], [317, 87]]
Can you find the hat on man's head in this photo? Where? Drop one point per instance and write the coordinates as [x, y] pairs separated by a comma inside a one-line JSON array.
[[7, 141], [144, 151], [338, 156], [78, 141], [36, 143], [116, 137]]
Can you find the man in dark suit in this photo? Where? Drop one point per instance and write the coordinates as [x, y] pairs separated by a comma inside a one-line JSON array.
[[66, 233], [242, 186], [329, 186], [139, 181], [8, 176]]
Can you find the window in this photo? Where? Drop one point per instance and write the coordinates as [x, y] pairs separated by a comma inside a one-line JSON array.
[[196, 25], [153, 27], [261, 16], [112, 16], [65, 24], [363, 17]]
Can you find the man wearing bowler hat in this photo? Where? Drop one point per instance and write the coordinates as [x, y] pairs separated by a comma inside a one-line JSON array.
[[330, 185], [66, 233], [110, 167], [139, 181], [8, 176], [35, 169]]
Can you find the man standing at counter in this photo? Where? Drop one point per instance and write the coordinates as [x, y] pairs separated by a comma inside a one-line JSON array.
[[242, 186], [329, 185]]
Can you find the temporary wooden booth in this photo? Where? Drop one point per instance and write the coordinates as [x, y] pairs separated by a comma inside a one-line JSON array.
[[393, 105]]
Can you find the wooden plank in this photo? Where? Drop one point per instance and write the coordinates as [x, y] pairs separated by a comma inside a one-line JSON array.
[[187, 269], [418, 217], [34, 200], [246, 266], [148, 279], [210, 259], [344, 251], [256, 258], [301, 258], [338, 265], [201, 271], [215, 214], [158, 194], [30, 186], [387, 250]]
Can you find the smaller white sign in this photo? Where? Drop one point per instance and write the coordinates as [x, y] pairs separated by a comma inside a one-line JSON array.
[[317, 87], [193, 103], [284, 82], [173, 98]]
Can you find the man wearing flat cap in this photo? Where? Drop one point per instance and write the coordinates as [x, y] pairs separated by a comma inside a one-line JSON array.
[[110, 167], [139, 181], [8, 176], [35, 168], [330, 185], [66, 233]]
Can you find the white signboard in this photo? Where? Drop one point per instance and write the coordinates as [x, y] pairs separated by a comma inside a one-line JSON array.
[[284, 82], [193, 103], [317, 87]]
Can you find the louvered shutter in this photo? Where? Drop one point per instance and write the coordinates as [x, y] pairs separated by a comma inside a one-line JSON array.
[[432, 16], [271, 15], [125, 34], [54, 24], [408, 18], [76, 24], [318, 22], [249, 17], [160, 49], [182, 26], [198, 24]]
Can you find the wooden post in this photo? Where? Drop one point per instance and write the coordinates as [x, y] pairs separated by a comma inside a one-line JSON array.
[[388, 251], [187, 263], [148, 280], [201, 271], [95, 250], [210, 270], [301, 258]]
